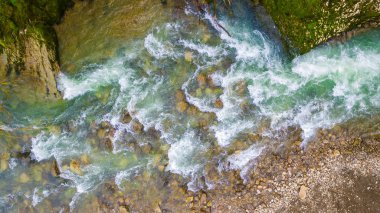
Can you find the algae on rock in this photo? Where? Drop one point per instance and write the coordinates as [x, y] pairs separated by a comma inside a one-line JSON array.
[[305, 24]]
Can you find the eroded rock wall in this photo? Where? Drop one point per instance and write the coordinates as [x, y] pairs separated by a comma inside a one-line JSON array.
[[28, 47]]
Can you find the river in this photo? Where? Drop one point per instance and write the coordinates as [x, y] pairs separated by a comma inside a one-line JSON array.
[[190, 92]]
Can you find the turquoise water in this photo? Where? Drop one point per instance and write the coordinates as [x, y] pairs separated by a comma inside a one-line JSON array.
[[190, 93]]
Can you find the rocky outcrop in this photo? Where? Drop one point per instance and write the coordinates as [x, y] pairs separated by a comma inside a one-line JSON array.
[[28, 47], [29, 66], [306, 24]]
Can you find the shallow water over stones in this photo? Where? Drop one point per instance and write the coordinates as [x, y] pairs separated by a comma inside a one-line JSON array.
[[173, 107]]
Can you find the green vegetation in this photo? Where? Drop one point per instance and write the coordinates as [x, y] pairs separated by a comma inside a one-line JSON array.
[[29, 17]]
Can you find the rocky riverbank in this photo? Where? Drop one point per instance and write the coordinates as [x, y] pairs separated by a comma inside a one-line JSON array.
[[338, 171]]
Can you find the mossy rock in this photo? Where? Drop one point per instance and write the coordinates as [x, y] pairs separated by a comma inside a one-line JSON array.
[[39, 15], [305, 24]]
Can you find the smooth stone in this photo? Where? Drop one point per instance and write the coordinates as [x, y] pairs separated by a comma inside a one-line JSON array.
[[180, 96], [303, 192]]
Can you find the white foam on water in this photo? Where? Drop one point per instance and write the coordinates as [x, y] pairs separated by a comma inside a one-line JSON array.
[[13, 162], [45, 146], [92, 176], [244, 160], [102, 76], [203, 49], [185, 156], [352, 70], [158, 49], [6, 128], [279, 94], [225, 131], [126, 175], [39, 195]]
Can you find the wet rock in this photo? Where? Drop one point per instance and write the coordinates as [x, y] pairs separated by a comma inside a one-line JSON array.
[[188, 56], [189, 199], [336, 153], [137, 126], [107, 144], [218, 103], [303, 192], [180, 96], [123, 209], [209, 92], [54, 170], [24, 178], [105, 125], [75, 167], [146, 148], [56, 130], [206, 37], [126, 118], [161, 168], [37, 173], [253, 137], [3, 165], [328, 19], [182, 106], [84, 159], [203, 199], [198, 92], [202, 80]]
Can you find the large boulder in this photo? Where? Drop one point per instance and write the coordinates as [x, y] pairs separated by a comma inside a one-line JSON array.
[[305, 24]]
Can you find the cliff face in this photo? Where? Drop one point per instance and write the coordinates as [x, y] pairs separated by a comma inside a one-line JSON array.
[[28, 59], [306, 23]]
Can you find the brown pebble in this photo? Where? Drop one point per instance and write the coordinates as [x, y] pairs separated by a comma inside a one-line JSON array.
[[218, 103], [182, 106], [202, 80]]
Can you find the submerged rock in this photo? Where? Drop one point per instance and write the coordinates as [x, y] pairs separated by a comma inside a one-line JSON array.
[[4, 158], [188, 56], [3, 165], [75, 167], [23, 178], [202, 80]]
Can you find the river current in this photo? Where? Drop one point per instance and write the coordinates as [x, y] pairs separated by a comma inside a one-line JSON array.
[[189, 92]]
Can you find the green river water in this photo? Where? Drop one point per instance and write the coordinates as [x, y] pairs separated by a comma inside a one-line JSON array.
[[174, 99]]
